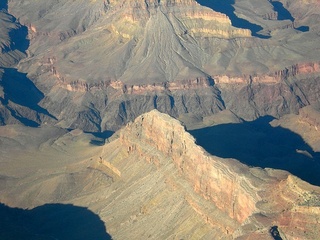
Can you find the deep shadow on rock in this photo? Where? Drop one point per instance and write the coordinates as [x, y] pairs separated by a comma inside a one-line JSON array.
[[51, 221], [18, 36], [4, 5], [20, 39], [259, 144], [226, 7], [100, 137], [19, 89], [284, 14], [275, 233]]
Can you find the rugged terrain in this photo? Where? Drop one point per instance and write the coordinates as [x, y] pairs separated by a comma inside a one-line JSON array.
[[108, 62], [150, 180], [243, 77]]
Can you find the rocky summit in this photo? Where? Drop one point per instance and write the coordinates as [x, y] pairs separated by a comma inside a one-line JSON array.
[[151, 180], [167, 119]]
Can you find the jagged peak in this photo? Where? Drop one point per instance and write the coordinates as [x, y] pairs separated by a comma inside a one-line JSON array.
[[233, 187]]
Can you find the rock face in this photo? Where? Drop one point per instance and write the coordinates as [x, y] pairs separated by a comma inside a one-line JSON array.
[[13, 42], [15, 92], [111, 61], [135, 41], [152, 180], [241, 192], [167, 137], [98, 65]]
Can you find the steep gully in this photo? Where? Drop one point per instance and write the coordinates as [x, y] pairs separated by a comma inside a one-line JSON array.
[[19, 97], [258, 144], [21, 91]]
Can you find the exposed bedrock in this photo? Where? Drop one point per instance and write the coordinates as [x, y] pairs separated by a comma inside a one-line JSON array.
[[110, 105], [110, 61], [254, 198]]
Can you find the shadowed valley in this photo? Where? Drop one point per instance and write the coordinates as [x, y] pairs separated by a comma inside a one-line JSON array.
[[258, 144], [51, 221]]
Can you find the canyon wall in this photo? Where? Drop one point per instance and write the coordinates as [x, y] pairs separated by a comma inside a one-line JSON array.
[[166, 136], [114, 60], [110, 104], [256, 199], [310, 116], [151, 180], [115, 103]]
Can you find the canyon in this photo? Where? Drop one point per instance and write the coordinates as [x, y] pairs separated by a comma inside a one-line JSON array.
[[175, 189], [123, 58], [169, 119]]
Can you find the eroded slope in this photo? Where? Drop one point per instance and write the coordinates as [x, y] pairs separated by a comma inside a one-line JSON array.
[[109, 61], [152, 180]]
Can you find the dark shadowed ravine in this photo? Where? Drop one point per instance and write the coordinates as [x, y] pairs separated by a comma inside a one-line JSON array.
[[4, 5], [51, 222], [284, 14], [226, 7], [258, 144], [19, 89]]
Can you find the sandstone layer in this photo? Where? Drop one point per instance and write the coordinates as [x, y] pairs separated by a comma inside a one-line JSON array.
[[151, 180], [109, 61], [73, 66]]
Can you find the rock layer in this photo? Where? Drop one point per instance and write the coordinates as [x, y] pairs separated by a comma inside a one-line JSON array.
[[250, 196], [152, 180], [114, 60]]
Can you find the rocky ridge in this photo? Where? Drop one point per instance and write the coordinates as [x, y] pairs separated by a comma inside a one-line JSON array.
[[241, 192], [176, 56], [141, 48], [256, 199], [173, 187], [276, 94], [115, 60], [310, 116]]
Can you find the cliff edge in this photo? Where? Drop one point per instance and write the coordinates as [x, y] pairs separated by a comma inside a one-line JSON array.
[[151, 180], [256, 199]]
